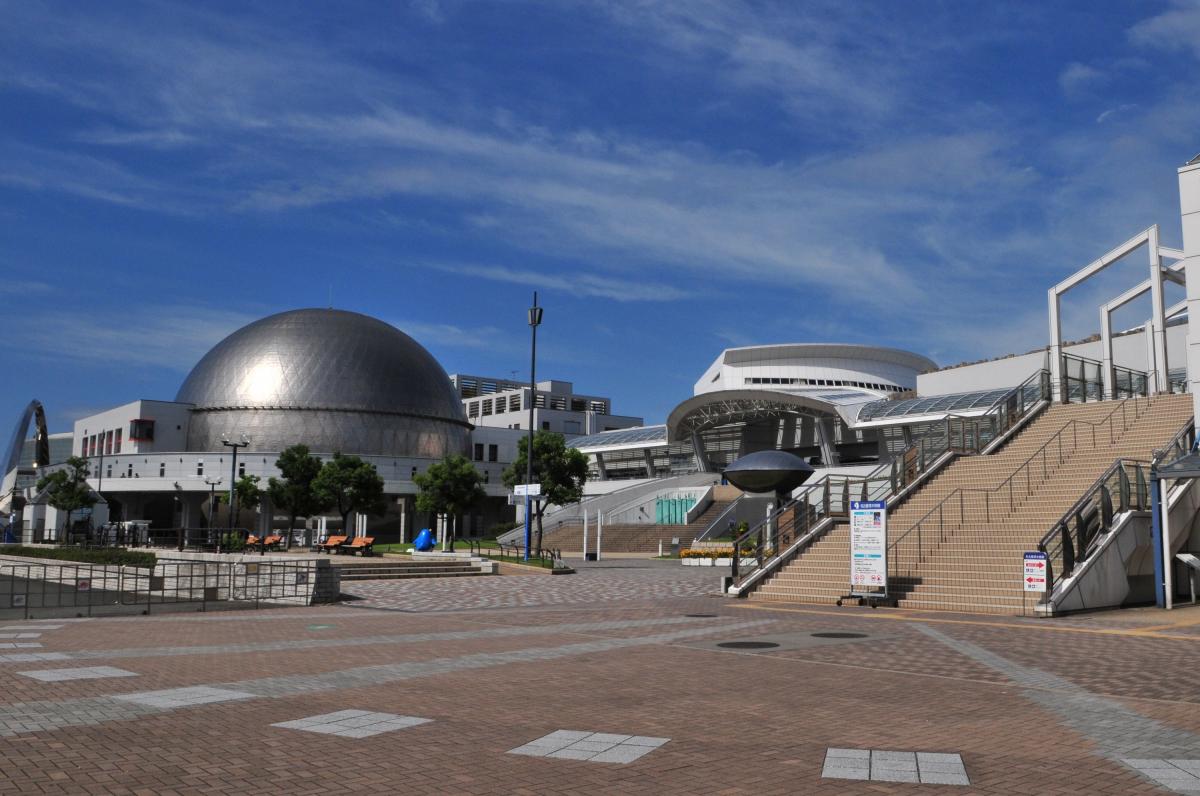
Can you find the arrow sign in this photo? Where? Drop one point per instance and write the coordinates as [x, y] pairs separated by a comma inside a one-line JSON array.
[[1035, 571]]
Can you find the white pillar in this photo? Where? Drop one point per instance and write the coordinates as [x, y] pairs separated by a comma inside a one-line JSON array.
[[585, 530], [1158, 320], [1189, 206], [1106, 353], [1055, 345], [1165, 508]]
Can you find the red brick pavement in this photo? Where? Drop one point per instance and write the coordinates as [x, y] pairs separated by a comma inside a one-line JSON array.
[[739, 723]]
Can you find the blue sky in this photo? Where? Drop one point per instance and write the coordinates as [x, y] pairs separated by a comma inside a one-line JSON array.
[[674, 177]]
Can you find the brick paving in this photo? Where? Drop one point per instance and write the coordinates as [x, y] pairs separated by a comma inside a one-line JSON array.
[[241, 702]]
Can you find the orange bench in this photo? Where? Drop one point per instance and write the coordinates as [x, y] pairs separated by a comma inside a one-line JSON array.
[[364, 545], [331, 544]]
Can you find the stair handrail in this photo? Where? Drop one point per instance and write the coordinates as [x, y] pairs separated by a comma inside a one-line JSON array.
[[960, 492], [716, 521], [1073, 549]]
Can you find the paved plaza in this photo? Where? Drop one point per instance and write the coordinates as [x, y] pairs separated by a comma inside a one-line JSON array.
[[629, 677]]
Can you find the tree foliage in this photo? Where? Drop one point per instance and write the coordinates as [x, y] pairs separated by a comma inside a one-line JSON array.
[[560, 470], [67, 488], [348, 484], [450, 486], [247, 491], [294, 492]]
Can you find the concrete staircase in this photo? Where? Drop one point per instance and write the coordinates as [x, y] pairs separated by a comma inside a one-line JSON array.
[[631, 538], [398, 570], [973, 562]]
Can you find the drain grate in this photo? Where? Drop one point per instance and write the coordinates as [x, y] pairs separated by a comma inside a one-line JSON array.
[[748, 645], [838, 635]]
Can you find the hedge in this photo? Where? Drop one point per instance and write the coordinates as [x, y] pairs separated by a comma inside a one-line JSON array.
[[105, 556]]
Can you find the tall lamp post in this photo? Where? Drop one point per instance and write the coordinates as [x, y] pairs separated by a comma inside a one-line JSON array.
[[233, 477], [535, 319], [212, 508]]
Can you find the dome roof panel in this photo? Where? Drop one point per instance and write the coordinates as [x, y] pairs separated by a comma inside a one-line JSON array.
[[322, 359]]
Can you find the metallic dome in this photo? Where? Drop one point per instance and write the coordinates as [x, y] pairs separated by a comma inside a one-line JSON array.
[[331, 379]]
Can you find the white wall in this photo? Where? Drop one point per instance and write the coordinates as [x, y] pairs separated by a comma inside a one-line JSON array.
[[170, 426], [1129, 351]]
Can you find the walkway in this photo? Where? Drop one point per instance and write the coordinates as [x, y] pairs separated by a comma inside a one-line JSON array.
[[628, 677]]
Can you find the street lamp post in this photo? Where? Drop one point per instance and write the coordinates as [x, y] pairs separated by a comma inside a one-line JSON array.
[[535, 319], [212, 508], [233, 477]]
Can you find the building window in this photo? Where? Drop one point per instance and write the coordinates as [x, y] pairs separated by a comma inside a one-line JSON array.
[[578, 405], [118, 445], [131, 471], [478, 451], [109, 473], [545, 425], [200, 467], [487, 406], [469, 388], [494, 453], [162, 469], [141, 430], [241, 469], [473, 409], [108, 441], [514, 403], [599, 407]]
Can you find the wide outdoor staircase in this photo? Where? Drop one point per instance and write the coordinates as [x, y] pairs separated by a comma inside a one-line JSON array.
[[400, 570], [957, 542], [631, 538]]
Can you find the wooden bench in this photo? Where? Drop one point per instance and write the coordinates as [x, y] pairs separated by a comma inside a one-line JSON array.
[[330, 544], [363, 545]]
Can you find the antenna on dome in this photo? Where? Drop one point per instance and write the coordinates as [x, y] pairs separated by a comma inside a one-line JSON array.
[[330, 295]]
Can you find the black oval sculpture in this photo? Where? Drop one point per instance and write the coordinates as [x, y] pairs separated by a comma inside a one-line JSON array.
[[768, 471]]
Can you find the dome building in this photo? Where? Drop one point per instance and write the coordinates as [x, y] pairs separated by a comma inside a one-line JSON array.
[[336, 381], [330, 379]]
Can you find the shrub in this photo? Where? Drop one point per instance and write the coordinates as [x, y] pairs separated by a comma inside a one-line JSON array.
[[232, 542], [103, 556]]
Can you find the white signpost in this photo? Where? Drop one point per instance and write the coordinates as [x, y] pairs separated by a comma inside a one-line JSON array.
[[868, 548], [1034, 577], [532, 490]]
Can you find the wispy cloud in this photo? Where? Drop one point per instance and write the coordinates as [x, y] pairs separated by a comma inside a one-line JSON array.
[[21, 288], [579, 284], [1177, 28], [173, 338], [1077, 78]]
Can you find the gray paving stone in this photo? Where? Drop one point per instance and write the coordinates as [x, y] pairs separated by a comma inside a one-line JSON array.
[[881, 755], [183, 697], [643, 740], [85, 673], [938, 757], [622, 753], [941, 768], [848, 762], [591, 746], [857, 753], [571, 754], [943, 778], [532, 751], [606, 736], [893, 775]]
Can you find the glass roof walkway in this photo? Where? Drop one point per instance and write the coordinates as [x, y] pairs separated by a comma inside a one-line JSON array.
[[956, 403]]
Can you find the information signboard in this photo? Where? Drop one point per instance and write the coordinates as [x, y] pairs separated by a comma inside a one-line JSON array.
[[868, 548], [532, 490], [1034, 577]]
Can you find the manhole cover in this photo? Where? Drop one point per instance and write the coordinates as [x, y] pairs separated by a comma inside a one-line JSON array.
[[748, 645], [839, 635], [701, 616]]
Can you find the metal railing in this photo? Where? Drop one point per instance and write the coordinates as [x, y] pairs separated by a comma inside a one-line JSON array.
[[1081, 379], [551, 556], [1123, 487], [1127, 383], [913, 546], [831, 497], [62, 588]]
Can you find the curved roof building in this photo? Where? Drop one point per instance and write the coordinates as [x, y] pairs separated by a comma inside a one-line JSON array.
[[331, 379]]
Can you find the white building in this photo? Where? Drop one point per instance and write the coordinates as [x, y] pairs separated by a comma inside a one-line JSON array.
[[500, 403]]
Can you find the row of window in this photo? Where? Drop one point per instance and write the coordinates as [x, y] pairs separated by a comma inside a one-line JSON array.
[[469, 388], [106, 443], [825, 383], [512, 403], [493, 452]]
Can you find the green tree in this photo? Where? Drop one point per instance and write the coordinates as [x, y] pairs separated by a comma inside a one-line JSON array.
[[451, 487], [67, 488], [294, 493], [248, 493], [561, 471], [348, 484]]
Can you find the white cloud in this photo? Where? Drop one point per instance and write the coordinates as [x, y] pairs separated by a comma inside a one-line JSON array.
[[575, 283], [21, 288], [1077, 78], [1177, 28], [169, 337]]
